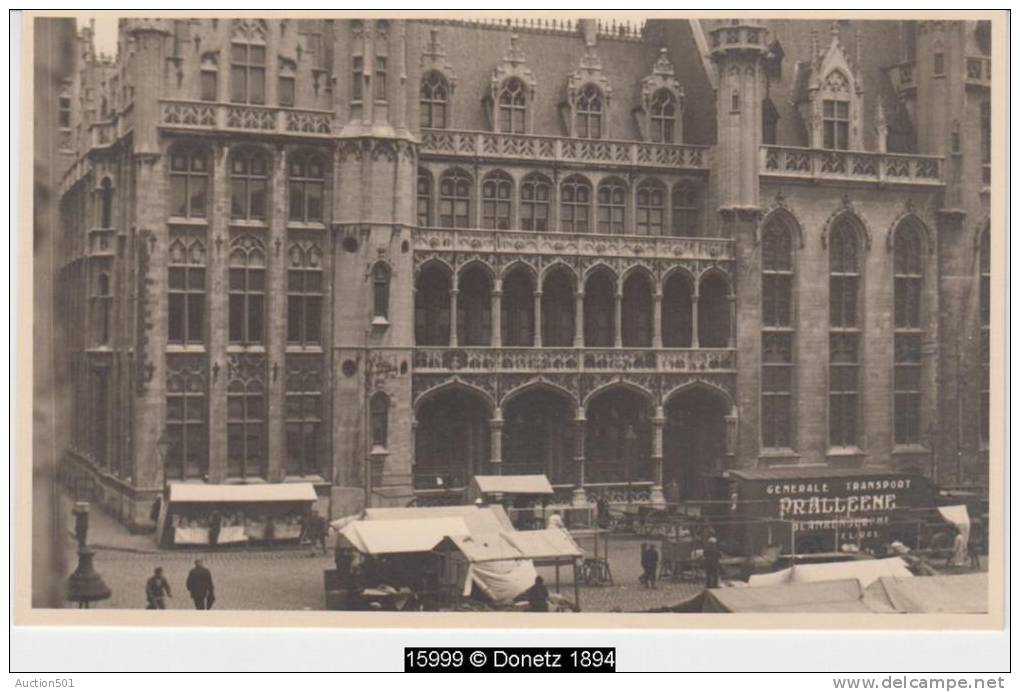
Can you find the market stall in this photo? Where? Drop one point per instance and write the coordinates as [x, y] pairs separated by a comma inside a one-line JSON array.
[[203, 514], [525, 497]]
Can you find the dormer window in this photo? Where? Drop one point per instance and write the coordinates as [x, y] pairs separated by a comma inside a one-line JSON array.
[[434, 92], [513, 107], [589, 113], [663, 114]]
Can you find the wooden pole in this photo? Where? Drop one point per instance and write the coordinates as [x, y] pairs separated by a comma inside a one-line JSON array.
[[577, 589]]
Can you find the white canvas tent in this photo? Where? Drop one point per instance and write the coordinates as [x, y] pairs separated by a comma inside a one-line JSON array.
[[485, 487], [388, 537], [865, 571], [958, 593]]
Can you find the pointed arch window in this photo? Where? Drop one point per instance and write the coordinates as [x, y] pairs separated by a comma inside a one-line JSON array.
[[534, 203], [189, 183], [663, 116], [304, 295], [844, 336], [304, 438], [589, 112], [424, 198], [434, 101], [575, 205], [836, 122], [686, 215], [249, 182], [512, 107], [246, 422], [307, 183], [381, 291], [187, 455], [247, 73], [612, 207], [777, 368], [651, 208], [186, 292], [380, 413], [455, 200], [497, 193], [247, 291]]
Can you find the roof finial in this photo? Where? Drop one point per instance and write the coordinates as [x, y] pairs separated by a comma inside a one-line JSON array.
[[835, 30]]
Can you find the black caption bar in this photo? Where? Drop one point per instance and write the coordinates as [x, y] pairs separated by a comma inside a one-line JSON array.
[[556, 659]]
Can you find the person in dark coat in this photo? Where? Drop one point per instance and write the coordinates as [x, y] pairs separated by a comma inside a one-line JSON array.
[[316, 531], [157, 590], [644, 565], [200, 586], [653, 564], [215, 522], [538, 597], [712, 558]]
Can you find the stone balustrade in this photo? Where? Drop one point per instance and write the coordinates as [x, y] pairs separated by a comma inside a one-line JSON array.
[[838, 165], [485, 359], [204, 115]]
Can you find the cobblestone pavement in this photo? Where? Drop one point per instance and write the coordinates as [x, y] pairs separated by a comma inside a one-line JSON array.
[[290, 579]]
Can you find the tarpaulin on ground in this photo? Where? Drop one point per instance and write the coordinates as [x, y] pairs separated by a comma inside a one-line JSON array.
[[865, 571], [401, 536], [839, 596], [961, 593], [252, 492], [536, 484]]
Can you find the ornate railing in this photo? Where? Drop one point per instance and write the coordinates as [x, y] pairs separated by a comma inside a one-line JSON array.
[[563, 149], [230, 116], [572, 244], [831, 164], [484, 359]]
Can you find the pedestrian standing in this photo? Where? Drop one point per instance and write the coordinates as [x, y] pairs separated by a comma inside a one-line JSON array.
[[157, 590], [653, 564], [712, 558], [215, 522], [200, 586], [644, 565]]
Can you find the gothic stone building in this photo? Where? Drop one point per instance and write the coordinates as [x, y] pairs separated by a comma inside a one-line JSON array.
[[385, 255]]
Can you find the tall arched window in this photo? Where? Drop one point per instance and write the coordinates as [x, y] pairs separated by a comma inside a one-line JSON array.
[[637, 313], [535, 203], [599, 309], [588, 112], [247, 290], [844, 334], [474, 307], [651, 208], [986, 316], [432, 306], [513, 107], [777, 367], [307, 182], [380, 413], [713, 312], [249, 182], [246, 421], [686, 215], [455, 199], [381, 290], [247, 73], [424, 198], [189, 183], [186, 291], [836, 112], [187, 454], [106, 203], [303, 416], [497, 193], [908, 271], [304, 295], [104, 304], [518, 307], [612, 206], [434, 95], [663, 116], [575, 204]]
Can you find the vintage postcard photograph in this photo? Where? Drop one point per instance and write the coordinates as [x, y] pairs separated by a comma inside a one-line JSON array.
[[516, 320]]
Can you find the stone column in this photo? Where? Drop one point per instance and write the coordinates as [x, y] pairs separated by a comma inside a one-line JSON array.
[[497, 315], [454, 293], [657, 320], [276, 325], [658, 423], [618, 320], [217, 304], [579, 319], [496, 442], [537, 337], [580, 497], [731, 342], [694, 318]]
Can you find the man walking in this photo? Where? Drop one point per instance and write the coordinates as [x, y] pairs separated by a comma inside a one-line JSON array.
[[712, 558], [653, 564], [157, 590], [316, 531], [200, 586]]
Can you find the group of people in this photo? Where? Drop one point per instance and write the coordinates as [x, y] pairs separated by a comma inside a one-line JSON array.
[[199, 585]]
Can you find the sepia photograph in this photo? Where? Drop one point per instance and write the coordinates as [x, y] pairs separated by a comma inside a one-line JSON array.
[[520, 314]]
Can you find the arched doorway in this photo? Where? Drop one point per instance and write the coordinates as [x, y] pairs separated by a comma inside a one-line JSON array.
[[693, 443], [432, 306], [713, 312], [538, 435], [637, 310], [451, 439], [474, 307], [599, 309], [558, 309], [618, 440], [518, 308], [676, 311]]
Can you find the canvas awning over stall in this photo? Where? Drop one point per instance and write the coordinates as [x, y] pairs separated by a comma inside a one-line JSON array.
[[387, 537], [479, 519], [481, 486], [960, 593], [864, 571], [839, 596], [261, 492]]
